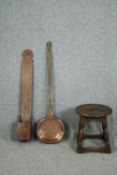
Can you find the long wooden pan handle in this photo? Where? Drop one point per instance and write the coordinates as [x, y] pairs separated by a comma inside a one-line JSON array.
[[24, 125], [50, 83]]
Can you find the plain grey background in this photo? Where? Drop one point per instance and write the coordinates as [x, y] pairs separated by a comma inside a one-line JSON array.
[[84, 37]]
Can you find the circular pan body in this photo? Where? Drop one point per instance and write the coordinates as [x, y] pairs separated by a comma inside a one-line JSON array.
[[50, 130]]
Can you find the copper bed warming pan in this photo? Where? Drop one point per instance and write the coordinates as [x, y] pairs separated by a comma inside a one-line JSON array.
[[50, 129]]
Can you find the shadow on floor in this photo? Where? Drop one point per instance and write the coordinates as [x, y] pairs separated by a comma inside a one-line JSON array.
[[70, 119]]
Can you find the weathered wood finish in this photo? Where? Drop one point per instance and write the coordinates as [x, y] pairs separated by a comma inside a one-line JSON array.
[[88, 113], [24, 131], [24, 125]]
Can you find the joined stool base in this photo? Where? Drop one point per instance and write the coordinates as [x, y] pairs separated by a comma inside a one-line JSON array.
[[81, 136]]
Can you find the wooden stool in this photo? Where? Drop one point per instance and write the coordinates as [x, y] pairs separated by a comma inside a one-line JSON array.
[[88, 113]]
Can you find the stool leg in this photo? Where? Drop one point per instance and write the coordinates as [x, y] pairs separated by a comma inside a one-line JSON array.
[[80, 135], [106, 135]]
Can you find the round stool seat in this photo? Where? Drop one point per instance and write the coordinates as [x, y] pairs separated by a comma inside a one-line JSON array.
[[93, 110]]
